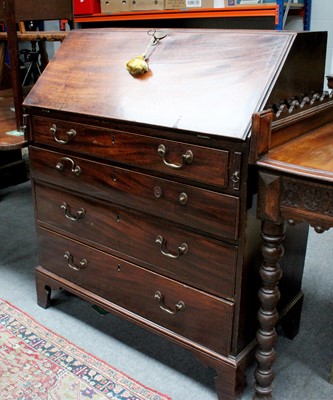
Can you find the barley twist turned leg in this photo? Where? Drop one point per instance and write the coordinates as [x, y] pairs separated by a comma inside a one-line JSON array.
[[270, 273]]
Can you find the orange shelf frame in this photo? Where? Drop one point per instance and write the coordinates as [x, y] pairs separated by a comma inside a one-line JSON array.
[[227, 12]]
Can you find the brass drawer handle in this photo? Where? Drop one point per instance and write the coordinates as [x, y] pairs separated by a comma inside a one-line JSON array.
[[187, 158], [70, 135], [182, 249], [82, 264], [74, 168], [180, 306], [67, 211]]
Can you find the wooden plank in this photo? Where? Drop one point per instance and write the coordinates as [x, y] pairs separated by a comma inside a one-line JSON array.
[[49, 36]]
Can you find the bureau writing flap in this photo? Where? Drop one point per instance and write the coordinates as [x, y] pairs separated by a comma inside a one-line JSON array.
[[201, 81]]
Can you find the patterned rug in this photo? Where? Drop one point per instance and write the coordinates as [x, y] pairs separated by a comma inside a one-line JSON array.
[[35, 363]]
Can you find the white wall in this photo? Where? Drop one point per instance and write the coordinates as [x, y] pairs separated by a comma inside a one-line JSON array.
[[322, 20]]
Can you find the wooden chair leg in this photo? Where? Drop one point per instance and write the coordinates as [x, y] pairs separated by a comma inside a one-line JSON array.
[[2, 60], [43, 52]]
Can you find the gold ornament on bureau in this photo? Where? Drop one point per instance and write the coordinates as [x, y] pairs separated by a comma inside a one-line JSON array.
[[139, 64]]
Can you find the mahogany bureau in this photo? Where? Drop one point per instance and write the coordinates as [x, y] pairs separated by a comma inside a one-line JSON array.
[[144, 192]]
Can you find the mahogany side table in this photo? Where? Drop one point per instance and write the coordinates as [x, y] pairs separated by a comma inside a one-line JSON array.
[[295, 184]]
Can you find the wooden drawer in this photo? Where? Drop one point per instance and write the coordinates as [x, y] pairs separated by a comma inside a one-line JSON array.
[[190, 258], [205, 319], [203, 164], [202, 210]]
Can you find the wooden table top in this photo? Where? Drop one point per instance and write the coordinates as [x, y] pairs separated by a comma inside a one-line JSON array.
[[8, 123], [309, 155]]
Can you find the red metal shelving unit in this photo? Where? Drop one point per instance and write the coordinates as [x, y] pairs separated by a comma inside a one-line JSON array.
[[263, 10]]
